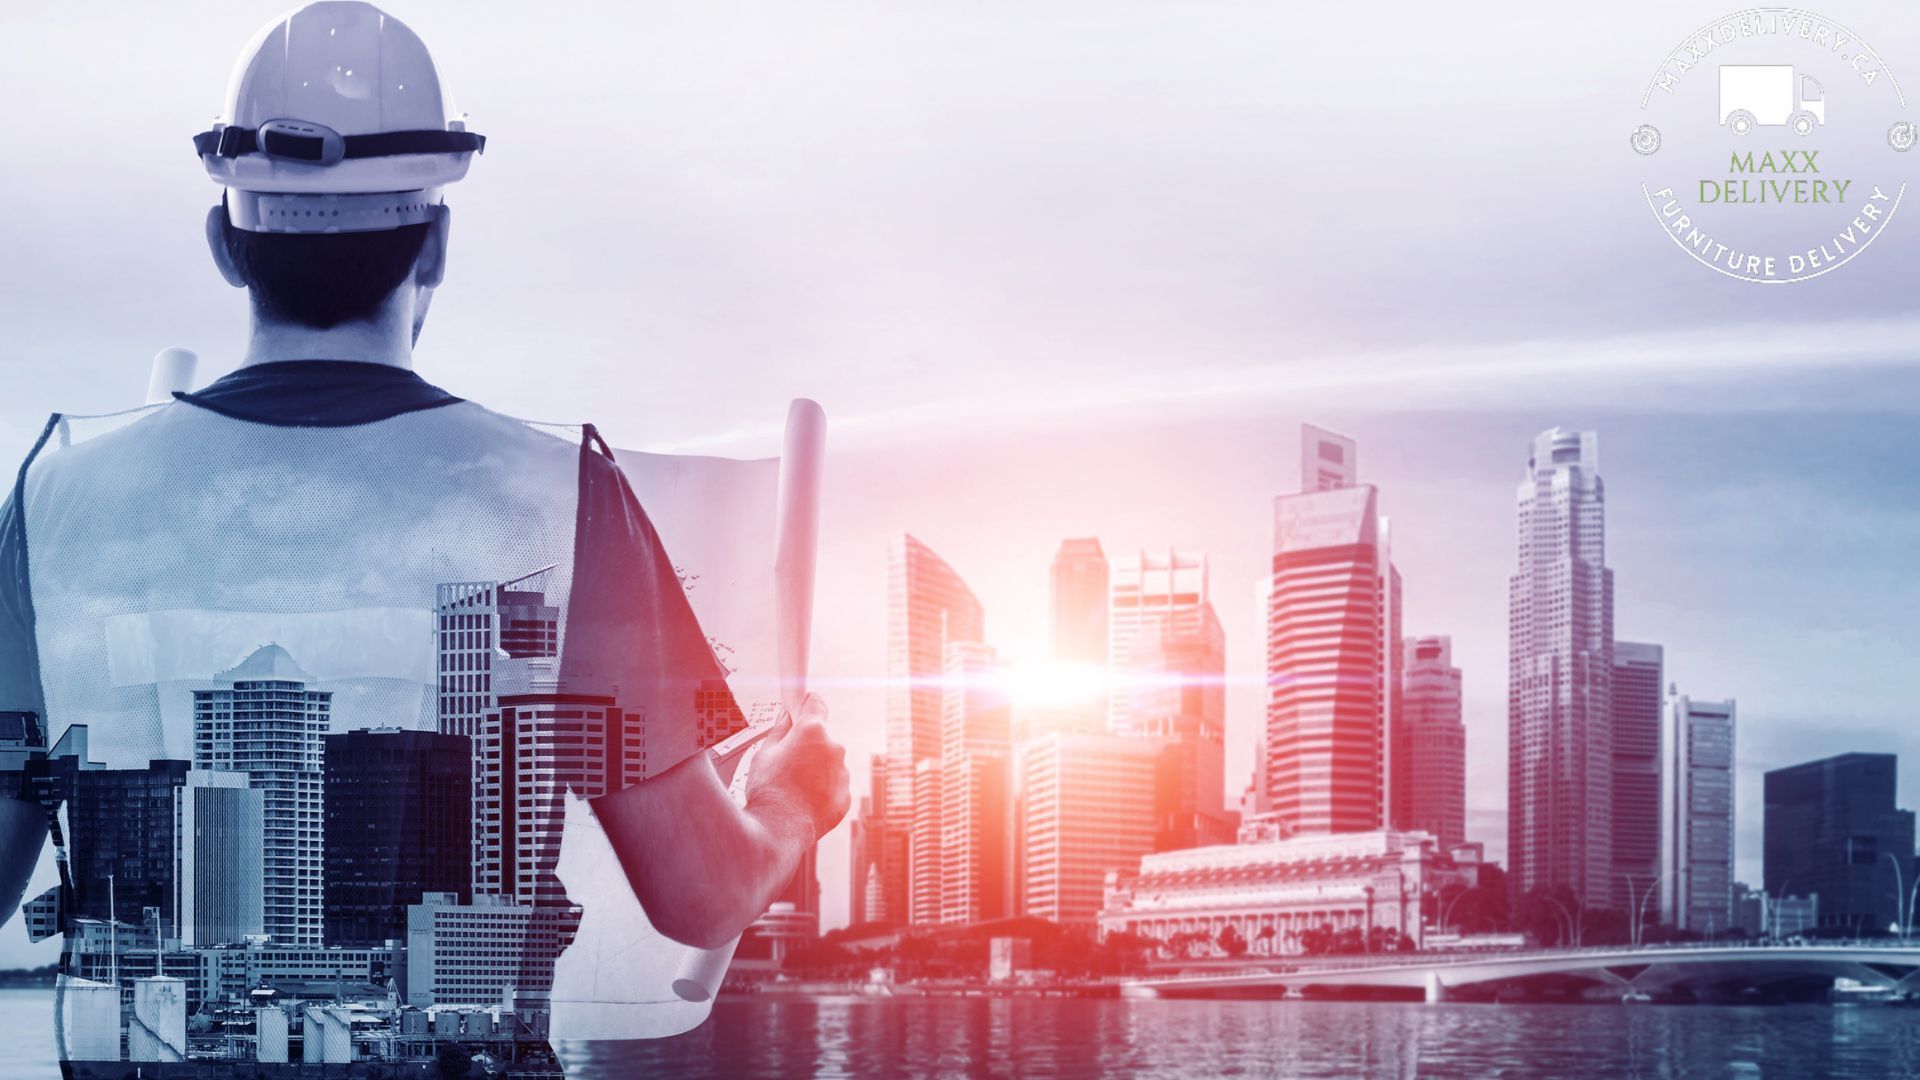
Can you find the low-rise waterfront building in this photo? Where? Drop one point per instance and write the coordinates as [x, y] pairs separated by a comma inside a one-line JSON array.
[[1273, 892], [222, 974], [482, 953]]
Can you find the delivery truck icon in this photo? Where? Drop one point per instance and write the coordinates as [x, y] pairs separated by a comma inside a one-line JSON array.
[[1764, 94]]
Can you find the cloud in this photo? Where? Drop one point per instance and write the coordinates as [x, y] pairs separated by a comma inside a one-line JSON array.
[[1853, 365]]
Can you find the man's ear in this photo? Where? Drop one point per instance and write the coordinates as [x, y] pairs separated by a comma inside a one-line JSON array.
[[431, 268], [217, 244]]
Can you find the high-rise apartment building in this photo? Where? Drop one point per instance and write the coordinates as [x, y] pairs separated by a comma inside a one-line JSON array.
[[1639, 715], [538, 744], [1087, 808], [1696, 815], [1333, 650], [1433, 742], [398, 826], [266, 723], [1833, 832], [1079, 595], [1560, 676], [1149, 590]]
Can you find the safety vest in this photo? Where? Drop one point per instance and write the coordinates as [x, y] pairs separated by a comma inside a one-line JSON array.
[[257, 618]]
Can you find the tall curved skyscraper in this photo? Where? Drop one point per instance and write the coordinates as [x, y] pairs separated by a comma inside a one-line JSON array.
[[928, 605]]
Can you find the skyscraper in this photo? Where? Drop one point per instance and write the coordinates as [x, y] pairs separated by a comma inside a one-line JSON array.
[[1087, 804], [1333, 650], [1328, 462], [1560, 676], [974, 788], [1639, 714], [1146, 590], [1433, 742], [117, 823], [474, 623], [267, 724], [398, 826], [717, 714], [1833, 831], [219, 857], [924, 835], [1177, 698], [928, 605], [877, 857], [1696, 815], [536, 745], [1079, 595], [929, 608]]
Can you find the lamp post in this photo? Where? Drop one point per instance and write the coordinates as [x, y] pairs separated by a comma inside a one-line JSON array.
[[1780, 897], [1899, 890], [1640, 910], [1446, 913], [1573, 932]]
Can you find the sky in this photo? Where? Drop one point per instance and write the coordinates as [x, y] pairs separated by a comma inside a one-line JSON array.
[[1081, 269]]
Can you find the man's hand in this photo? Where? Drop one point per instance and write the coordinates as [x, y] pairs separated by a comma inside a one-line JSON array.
[[797, 785], [703, 866]]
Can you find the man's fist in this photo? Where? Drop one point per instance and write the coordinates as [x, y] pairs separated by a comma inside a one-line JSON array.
[[800, 772]]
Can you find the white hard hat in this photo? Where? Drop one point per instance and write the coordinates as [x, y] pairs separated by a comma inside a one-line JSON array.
[[335, 122]]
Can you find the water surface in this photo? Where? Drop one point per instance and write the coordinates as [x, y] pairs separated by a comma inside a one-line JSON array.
[[1026, 1037]]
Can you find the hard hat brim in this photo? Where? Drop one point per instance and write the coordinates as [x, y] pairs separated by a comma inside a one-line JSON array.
[[305, 212], [364, 176]]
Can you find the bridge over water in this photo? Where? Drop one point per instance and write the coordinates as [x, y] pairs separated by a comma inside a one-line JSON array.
[[1651, 970]]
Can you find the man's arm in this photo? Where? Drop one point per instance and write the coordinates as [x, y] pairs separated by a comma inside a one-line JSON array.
[[705, 867], [23, 832], [23, 823]]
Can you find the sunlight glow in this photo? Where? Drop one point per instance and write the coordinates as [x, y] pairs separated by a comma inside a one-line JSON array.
[[1054, 685]]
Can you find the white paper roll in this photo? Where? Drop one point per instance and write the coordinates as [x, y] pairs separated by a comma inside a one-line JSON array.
[[173, 369]]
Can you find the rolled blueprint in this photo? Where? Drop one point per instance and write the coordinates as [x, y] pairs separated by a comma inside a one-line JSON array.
[[173, 369]]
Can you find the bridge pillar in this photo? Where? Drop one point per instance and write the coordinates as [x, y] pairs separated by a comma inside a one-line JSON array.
[[1436, 991]]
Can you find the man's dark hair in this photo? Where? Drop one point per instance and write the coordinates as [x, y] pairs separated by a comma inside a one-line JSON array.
[[323, 279]]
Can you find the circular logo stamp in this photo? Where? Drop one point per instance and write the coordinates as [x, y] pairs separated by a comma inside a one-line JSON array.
[[1773, 145]]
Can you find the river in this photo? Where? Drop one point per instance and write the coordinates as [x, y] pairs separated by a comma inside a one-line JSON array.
[[1026, 1037]]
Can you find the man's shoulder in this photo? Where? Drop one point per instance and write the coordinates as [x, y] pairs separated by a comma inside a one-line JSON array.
[[147, 446]]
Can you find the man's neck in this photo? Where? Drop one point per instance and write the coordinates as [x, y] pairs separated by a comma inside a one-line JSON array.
[[387, 338]]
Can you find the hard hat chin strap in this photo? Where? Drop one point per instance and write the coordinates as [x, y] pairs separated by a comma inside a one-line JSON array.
[[301, 212]]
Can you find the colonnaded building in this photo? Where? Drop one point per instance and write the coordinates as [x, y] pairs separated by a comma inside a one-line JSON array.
[[1271, 890]]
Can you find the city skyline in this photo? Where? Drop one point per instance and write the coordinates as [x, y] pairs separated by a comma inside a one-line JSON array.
[[1594, 731], [1642, 441], [1706, 667]]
